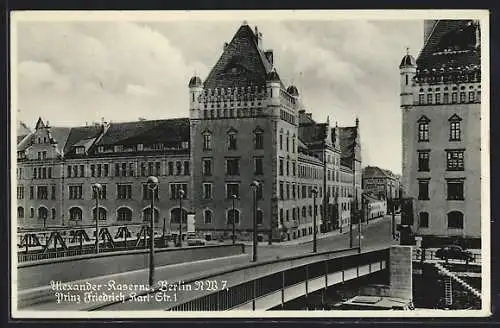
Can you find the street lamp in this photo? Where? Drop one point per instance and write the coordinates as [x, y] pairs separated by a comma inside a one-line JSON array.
[[254, 185], [233, 197], [315, 246], [97, 188], [181, 195], [152, 183]]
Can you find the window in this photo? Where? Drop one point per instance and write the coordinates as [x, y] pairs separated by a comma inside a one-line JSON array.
[[260, 191], [281, 166], [106, 169], [429, 98], [75, 214], [146, 192], [423, 220], [258, 168], [140, 147], [287, 168], [471, 96], [43, 213], [92, 170], [158, 168], [293, 144], [287, 143], [231, 141], [124, 214], [423, 131], [207, 141], [423, 189], [281, 141], [259, 140], [282, 194], [455, 220], [124, 191], [20, 192], [455, 160], [32, 192], [175, 189], [207, 191], [232, 189], [437, 98], [293, 191], [287, 191], [446, 99], [233, 215], [455, 189], [32, 212], [293, 169], [178, 166], [53, 211], [207, 167], [20, 212], [186, 167], [455, 128], [117, 169], [462, 96], [233, 166], [260, 216], [453, 97], [421, 99], [207, 216], [53, 192], [170, 168], [146, 214], [423, 161], [124, 170]]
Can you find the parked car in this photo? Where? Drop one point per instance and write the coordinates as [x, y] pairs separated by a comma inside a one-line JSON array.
[[195, 242], [454, 252]]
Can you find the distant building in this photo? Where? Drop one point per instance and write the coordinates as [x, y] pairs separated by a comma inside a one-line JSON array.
[[441, 105], [376, 207], [381, 183], [57, 165]]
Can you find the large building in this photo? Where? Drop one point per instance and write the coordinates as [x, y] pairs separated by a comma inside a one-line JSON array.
[[247, 125], [441, 112], [244, 125]]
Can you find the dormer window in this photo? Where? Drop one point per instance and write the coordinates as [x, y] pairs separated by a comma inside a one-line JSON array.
[[140, 147], [185, 145], [80, 150], [21, 155], [118, 149], [100, 149]]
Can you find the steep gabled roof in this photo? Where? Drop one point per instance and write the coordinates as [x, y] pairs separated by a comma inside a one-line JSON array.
[[376, 172], [313, 134], [167, 132], [451, 44], [22, 129], [242, 63]]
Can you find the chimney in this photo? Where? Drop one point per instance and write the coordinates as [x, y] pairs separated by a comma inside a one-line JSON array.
[[225, 45], [269, 55], [302, 111], [309, 115]]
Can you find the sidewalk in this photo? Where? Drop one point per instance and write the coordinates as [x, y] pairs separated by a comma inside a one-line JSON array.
[[309, 238]]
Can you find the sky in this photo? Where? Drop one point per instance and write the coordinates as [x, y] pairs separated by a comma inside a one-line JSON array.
[[75, 72]]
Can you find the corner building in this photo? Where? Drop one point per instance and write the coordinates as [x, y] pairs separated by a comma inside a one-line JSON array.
[[246, 125], [441, 105]]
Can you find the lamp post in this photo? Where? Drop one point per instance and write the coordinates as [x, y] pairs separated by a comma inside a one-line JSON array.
[[181, 195], [315, 246], [164, 233], [254, 185], [393, 219], [152, 183], [97, 187], [233, 197]]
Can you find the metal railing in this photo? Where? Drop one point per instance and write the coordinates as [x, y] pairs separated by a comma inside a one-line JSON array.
[[430, 255]]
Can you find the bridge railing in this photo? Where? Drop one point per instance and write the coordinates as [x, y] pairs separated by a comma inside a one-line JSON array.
[[429, 254]]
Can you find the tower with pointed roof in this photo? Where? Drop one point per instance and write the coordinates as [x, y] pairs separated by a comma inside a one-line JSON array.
[[244, 127], [441, 109]]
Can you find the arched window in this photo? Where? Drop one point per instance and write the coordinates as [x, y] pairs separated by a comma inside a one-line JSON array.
[[260, 216], [233, 215], [43, 213], [124, 214], [310, 210], [53, 214], [75, 214], [207, 141], [231, 139], [455, 220], [146, 214], [20, 212], [102, 214], [258, 139], [207, 216], [175, 215], [423, 220]]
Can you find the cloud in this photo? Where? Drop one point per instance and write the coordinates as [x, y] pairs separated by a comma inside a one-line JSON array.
[[74, 72]]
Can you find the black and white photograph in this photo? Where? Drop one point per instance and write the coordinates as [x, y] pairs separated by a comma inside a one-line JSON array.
[[250, 164]]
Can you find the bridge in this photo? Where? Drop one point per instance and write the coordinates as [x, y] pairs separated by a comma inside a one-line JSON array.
[[234, 283]]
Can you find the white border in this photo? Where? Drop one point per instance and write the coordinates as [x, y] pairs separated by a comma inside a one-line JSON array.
[[482, 15]]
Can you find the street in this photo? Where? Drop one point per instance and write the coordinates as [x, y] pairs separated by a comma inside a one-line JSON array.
[[375, 235]]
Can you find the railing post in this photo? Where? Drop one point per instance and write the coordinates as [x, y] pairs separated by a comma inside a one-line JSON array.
[[254, 293], [307, 286], [283, 290]]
